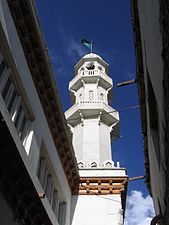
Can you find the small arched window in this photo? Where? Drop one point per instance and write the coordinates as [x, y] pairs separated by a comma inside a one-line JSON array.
[[90, 66], [80, 96], [100, 68], [82, 70], [101, 96]]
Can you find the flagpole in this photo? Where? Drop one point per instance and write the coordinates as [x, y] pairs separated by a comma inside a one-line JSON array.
[[88, 44]]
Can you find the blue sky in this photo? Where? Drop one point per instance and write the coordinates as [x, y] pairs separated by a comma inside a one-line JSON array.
[[108, 24]]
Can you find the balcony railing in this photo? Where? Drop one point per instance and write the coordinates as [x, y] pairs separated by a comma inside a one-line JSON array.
[[96, 73], [88, 73], [91, 105]]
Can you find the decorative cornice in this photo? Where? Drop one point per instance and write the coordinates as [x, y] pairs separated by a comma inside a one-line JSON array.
[[101, 185], [27, 24]]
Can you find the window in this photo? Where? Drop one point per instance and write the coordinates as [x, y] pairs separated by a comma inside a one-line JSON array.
[[21, 129], [100, 68], [80, 96], [57, 204], [90, 66], [102, 96], [44, 181], [82, 70], [44, 176], [6, 88], [12, 100], [54, 199], [18, 115], [48, 186], [41, 169], [62, 213]]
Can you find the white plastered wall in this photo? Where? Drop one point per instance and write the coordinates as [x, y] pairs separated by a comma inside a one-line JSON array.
[[105, 142], [96, 210], [91, 141]]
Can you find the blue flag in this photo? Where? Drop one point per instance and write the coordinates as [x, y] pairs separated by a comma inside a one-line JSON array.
[[87, 43]]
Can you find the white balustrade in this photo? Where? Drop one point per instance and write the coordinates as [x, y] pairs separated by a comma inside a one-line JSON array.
[[87, 73], [90, 104], [96, 73], [90, 72]]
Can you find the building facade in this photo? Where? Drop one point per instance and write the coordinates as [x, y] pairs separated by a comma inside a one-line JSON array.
[[41, 182], [150, 25], [94, 124], [38, 169]]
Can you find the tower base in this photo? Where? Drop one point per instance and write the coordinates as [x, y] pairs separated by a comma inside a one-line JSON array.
[[101, 197]]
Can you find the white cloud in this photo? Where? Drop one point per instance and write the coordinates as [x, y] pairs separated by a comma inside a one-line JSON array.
[[75, 47], [58, 63], [139, 210], [72, 46]]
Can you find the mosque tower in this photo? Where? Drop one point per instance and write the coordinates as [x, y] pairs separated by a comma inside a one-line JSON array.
[[100, 198]]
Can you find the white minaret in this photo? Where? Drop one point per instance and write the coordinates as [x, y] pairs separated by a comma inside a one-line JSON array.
[[94, 124]]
